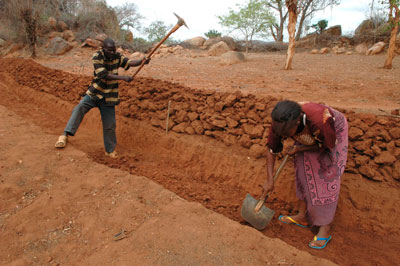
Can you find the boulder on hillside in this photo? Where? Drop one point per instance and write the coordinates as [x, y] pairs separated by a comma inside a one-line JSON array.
[[68, 35], [334, 31], [62, 26], [346, 41], [362, 48], [328, 38], [195, 42], [324, 50], [262, 46], [338, 50], [228, 40], [101, 37], [54, 34], [52, 22], [2, 42], [58, 46], [218, 49], [370, 33], [91, 43], [364, 28], [231, 57], [376, 48], [383, 30]]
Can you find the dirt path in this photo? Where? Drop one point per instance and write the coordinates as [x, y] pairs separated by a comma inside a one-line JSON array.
[[207, 171], [355, 82]]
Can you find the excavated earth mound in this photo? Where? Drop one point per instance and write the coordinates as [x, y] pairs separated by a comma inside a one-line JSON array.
[[213, 153]]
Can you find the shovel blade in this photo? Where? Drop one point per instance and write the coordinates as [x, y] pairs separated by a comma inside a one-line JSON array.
[[258, 220]]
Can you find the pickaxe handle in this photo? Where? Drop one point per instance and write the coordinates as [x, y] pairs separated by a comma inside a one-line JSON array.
[[175, 28]]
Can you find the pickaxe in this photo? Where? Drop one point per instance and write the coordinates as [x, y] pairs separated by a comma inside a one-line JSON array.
[[180, 23]]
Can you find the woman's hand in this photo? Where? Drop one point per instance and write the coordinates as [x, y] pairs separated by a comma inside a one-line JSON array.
[[302, 148], [268, 186], [293, 150]]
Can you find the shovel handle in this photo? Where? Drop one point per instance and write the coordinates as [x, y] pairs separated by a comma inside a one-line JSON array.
[[264, 196], [280, 168], [259, 205]]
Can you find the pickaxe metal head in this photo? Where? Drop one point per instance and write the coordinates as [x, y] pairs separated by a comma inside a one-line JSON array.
[[181, 21]]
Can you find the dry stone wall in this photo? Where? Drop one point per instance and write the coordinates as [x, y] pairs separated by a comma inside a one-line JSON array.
[[237, 118], [233, 118], [374, 149]]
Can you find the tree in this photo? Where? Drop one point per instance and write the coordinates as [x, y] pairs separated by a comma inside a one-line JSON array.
[[394, 18], [320, 26], [293, 12], [306, 8], [128, 16], [156, 31], [23, 21], [253, 18], [378, 14], [275, 28], [67, 6], [30, 18], [212, 34]]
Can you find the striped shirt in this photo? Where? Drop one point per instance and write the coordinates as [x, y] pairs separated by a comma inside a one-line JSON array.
[[100, 87]]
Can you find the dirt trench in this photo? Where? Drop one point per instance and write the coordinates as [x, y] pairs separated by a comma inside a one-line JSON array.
[[203, 169]]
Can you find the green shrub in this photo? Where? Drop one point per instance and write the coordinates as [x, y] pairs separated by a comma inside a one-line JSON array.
[[320, 26], [212, 34]]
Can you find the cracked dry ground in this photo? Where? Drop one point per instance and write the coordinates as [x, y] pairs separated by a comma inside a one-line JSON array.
[[204, 170]]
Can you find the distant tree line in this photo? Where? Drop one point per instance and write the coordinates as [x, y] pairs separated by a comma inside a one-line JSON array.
[[26, 21], [262, 18]]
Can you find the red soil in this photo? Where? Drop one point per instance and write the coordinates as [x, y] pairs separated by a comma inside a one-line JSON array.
[[203, 169]]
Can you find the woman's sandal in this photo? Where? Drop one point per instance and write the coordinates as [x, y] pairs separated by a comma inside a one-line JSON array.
[[61, 142], [292, 221], [311, 245]]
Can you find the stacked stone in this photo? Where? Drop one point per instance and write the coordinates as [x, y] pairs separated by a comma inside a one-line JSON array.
[[374, 148], [228, 117], [237, 118]]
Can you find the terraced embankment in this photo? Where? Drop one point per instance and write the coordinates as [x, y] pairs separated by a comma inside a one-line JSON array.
[[213, 153]]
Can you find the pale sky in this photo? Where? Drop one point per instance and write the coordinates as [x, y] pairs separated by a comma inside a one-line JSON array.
[[201, 15]]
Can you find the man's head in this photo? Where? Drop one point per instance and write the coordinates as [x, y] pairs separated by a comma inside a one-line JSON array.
[[109, 47], [286, 118]]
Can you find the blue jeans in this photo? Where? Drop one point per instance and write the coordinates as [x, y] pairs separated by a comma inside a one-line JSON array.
[[107, 117]]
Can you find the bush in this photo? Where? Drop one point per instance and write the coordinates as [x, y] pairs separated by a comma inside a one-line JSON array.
[[320, 26], [98, 18], [141, 45], [212, 34]]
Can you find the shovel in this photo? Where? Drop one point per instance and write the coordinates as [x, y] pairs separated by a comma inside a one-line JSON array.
[[254, 212]]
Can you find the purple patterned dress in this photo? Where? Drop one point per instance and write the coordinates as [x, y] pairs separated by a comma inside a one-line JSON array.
[[318, 173]]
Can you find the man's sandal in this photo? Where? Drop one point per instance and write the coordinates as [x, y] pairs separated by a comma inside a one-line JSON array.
[[311, 244], [291, 221], [61, 142], [113, 154]]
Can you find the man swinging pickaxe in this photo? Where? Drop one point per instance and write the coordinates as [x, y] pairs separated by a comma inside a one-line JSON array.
[[180, 23]]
